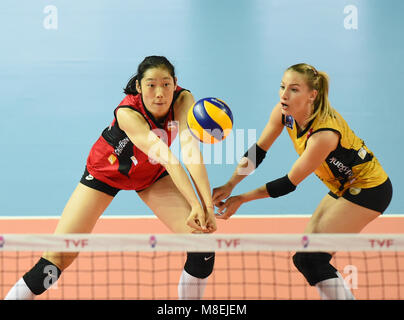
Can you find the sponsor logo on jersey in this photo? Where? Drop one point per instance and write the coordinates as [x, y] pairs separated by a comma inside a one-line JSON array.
[[289, 122], [340, 166], [111, 159], [134, 160], [362, 153], [121, 145]]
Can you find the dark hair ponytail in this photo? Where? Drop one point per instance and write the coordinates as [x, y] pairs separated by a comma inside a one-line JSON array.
[[131, 86], [148, 63]]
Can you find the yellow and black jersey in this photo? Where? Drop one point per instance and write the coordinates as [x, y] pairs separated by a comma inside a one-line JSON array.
[[350, 166]]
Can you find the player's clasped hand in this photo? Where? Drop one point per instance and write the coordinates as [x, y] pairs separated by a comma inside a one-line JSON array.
[[196, 219], [229, 207], [202, 222], [218, 195], [210, 220], [221, 193]]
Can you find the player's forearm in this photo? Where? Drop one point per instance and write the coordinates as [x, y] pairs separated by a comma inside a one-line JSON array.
[[248, 163], [199, 176], [259, 193], [182, 182], [244, 169], [193, 161]]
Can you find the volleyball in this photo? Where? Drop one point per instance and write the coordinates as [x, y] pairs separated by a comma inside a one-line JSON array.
[[210, 120]]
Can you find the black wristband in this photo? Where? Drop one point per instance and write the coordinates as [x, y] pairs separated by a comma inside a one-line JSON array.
[[255, 154], [280, 187]]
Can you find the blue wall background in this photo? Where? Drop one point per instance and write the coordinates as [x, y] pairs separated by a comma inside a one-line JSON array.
[[61, 79]]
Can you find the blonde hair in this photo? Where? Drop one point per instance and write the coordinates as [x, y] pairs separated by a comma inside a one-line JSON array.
[[316, 80]]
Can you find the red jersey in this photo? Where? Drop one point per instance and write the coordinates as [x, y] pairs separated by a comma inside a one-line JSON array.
[[116, 161]]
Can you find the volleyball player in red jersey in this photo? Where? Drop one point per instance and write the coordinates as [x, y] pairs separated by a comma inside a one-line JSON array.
[[133, 154]]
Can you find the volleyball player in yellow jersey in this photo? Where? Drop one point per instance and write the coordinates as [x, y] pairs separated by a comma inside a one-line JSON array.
[[360, 190]]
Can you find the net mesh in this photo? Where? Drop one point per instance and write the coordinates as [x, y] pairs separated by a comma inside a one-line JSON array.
[[247, 267]]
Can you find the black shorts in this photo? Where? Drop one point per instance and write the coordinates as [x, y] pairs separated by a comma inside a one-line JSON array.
[[88, 180], [377, 198]]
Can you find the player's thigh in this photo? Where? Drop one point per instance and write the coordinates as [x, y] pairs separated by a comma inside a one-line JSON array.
[[168, 204], [325, 203], [82, 210], [79, 216], [340, 216]]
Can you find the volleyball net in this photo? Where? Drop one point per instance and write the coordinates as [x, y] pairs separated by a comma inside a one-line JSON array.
[[247, 266]]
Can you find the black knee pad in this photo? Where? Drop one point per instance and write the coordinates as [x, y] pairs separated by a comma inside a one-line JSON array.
[[315, 266], [42, 276], [200, 264]]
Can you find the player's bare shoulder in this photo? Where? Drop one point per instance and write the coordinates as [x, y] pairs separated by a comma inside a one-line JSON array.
[[182, 104], [129, 119]]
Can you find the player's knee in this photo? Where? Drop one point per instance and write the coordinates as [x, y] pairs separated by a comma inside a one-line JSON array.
[[42, 276], [61, 259], [200, 264], [315, 266]]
